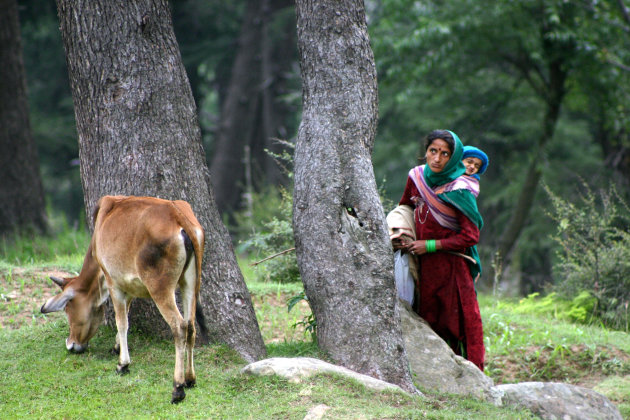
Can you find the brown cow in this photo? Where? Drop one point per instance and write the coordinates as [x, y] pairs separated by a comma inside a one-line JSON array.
[[141, 247]]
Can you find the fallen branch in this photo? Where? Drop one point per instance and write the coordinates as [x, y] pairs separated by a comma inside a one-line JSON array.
[[272, 256]]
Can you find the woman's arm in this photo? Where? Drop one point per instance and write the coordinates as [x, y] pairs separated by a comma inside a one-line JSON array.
[[410, 191], [467, 236]]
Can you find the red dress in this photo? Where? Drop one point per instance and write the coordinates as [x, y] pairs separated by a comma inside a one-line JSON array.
[[447, 298]]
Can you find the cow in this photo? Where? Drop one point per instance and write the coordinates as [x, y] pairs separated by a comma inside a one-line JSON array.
[[141, 247]]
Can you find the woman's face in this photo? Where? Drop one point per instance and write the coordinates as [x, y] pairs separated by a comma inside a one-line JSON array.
[[438, 155]]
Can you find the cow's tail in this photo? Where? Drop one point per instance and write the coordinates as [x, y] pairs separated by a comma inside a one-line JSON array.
[[187, 220], [201, 321]]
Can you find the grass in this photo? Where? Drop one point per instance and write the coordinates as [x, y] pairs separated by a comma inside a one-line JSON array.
[[41, 379], [523, 347]]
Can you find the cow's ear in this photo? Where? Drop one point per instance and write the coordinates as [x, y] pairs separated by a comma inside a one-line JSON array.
[[58, 302], [59, 281]]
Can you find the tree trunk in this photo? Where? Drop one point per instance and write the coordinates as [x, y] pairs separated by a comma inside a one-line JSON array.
[[21, 193], [553, 95], [251, 113], [238, 114], [139, 135], [279, 55], [343, 250], [615, 149]]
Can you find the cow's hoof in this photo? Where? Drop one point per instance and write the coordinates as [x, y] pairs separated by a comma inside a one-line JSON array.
[[178, 394], [190, 383], [122, 370]]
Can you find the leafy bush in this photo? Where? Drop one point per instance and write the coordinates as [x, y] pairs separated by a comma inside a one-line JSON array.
[[271, 240], [594, 237], [308, 322], [579, 309]]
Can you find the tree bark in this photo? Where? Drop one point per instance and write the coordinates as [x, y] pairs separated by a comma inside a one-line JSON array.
[[343, 249], [22, 204], [139, 135]]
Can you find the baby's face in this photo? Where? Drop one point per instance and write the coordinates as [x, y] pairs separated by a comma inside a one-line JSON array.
[[472, 165]]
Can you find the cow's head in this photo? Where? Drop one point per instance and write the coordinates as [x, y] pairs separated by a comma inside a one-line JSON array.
[[83, 306]]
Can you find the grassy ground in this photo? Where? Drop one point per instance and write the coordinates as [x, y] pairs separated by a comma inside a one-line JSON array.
[[40, 378]]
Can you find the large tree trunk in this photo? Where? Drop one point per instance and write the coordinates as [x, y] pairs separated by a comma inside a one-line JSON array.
[[139, 135], [21, 192], [278, 58], [251, 113], [343, 250], [238, 114]]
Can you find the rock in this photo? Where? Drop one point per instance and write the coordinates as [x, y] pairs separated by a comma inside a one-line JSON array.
[[316, 412], [297, 368], [434, 366], [553, 401]]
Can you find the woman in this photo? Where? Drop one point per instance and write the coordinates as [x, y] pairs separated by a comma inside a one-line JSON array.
[[447, 225]]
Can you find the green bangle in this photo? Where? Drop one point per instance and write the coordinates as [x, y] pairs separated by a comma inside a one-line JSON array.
[[430, 245]]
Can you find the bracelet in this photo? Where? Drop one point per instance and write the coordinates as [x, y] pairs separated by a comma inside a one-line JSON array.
[[430, 245]]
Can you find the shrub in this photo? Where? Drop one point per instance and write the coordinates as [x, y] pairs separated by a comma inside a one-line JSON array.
[[594, 238], [579, 309], [273, 239]]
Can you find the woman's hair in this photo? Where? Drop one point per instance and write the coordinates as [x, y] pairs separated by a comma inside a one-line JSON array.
[[438, 134]]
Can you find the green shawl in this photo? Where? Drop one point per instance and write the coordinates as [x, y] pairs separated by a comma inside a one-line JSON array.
[[461, 199]]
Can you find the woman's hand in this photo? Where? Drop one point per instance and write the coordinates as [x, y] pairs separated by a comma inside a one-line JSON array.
[[401, 242], [398, 244], [416, 247], [419, 247]]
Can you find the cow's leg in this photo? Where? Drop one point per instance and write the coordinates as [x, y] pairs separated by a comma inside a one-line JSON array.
[[116, 349], [188, 299], [165, 302], [121, 305]]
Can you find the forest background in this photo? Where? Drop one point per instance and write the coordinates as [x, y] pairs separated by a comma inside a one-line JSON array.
[[543, 87]]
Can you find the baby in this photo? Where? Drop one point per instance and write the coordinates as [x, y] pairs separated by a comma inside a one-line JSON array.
[[475, 161]]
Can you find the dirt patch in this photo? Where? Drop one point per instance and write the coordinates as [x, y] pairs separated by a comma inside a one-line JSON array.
[[23, 292]]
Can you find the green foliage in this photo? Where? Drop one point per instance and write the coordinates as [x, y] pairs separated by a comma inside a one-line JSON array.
[[51, 107], [271, 239], [308, 321], [594, 235], [579, 309], [65, 247], [483, 69]]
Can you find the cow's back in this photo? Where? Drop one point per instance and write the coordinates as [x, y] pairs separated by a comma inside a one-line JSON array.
[[136, 239]]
